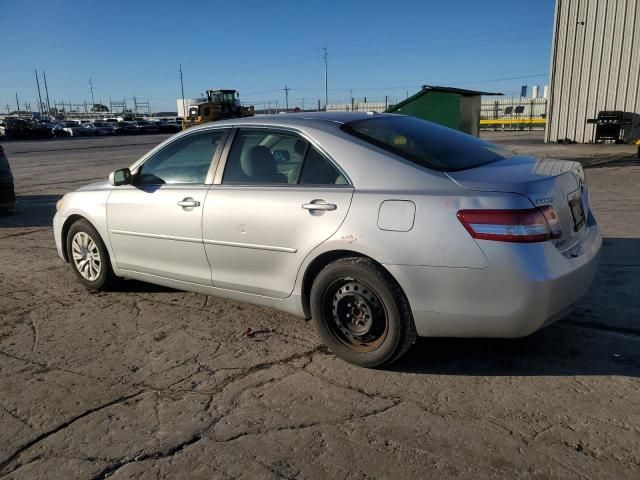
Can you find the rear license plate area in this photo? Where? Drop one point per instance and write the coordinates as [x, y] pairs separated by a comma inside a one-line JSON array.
[[577, 210]]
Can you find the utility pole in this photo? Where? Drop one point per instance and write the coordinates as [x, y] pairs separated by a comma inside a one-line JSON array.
[[286, 96], [184, 105], [39, 95], [326, 89], [18, 104], [46, 90], [93, 102], [303, 104]]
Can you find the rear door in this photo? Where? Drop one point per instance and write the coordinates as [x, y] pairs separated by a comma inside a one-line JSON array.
[[276, 200]]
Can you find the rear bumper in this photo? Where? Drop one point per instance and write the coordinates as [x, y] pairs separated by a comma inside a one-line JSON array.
[[525, 287]]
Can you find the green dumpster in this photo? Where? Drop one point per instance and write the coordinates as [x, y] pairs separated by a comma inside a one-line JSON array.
[[452, 107]]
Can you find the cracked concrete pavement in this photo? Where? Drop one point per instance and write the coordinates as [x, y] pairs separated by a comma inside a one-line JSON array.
[[148, 382]]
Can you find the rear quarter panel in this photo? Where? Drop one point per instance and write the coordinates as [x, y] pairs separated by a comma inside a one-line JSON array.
[[437, 237]]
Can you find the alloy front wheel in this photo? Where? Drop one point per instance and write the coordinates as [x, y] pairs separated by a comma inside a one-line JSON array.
[[86, 256]]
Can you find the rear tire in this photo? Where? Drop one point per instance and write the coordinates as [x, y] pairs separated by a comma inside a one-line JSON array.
[[361, 313], [89, 257]]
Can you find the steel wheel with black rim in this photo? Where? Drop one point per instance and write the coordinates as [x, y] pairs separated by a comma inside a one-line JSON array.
[[361, 313], [88, 256]]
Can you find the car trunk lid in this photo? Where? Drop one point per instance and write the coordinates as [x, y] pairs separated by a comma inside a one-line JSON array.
[[552, 182]]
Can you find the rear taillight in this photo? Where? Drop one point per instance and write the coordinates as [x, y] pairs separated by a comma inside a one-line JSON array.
[[553, 221], [524, 226]]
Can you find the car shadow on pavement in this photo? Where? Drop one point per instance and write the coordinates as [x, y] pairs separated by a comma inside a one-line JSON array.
[[136, 286], [564, 349], [31, 211], [600, 337]]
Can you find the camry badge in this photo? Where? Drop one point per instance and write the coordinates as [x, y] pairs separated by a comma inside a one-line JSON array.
[[544, 200]]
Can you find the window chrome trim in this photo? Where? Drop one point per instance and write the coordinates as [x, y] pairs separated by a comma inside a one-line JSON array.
[[253, 246], [160, 236]]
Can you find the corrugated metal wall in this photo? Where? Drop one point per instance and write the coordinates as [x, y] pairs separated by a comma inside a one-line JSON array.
[[595, 66]]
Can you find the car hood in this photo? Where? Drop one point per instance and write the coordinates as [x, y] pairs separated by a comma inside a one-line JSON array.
[[99, 185]]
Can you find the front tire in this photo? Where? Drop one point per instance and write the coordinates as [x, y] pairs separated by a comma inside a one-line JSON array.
[[361, 313], [88, 256]]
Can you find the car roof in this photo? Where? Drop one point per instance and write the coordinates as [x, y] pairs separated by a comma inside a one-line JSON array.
[[324, 120]]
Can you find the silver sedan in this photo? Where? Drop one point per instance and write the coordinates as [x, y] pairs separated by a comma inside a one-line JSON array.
[[379, 227]]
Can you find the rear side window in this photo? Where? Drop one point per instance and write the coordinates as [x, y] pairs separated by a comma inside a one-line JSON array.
[[425, 143], [265, 156]]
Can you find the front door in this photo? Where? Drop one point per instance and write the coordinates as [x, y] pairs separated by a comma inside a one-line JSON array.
[[155, 225], [279, 198]]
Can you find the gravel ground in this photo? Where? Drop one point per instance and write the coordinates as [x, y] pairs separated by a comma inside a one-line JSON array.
[[149, 382]]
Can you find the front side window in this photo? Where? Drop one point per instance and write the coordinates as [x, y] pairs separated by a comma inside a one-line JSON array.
[[425, 143], [277, 157], [187, 160]]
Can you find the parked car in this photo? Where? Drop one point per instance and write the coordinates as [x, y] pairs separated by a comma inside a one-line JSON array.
[[25, 128], [7, 192], [86, 130], [105, 128], [60, 129], [148, 127], [129, 128], [170, 126], [74, 129], [379, 227]]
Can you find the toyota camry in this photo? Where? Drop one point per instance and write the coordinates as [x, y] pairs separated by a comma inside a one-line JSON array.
[[379, 227]]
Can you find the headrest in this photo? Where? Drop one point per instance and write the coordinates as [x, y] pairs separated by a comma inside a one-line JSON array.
[[259, 162]]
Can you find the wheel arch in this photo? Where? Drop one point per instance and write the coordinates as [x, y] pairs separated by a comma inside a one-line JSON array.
[[321, 261], [65, 231]]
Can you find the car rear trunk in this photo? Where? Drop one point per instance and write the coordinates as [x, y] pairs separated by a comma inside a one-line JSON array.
[[552, 182]]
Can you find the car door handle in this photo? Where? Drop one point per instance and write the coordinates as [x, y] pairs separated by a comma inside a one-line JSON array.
[[188, 203], [319, 205]]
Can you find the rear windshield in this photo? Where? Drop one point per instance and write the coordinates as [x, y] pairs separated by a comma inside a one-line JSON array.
[[425, 143]]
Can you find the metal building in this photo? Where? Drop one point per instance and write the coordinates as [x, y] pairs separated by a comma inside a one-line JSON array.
[[595, 65]]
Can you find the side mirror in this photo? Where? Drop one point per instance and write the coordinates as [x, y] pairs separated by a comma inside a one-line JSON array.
[[120, 177]]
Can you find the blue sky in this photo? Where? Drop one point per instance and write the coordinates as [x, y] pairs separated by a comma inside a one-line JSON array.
[[376, 48]]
